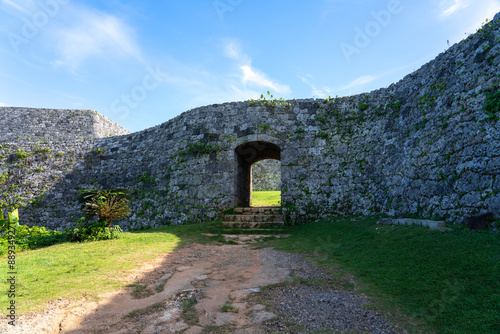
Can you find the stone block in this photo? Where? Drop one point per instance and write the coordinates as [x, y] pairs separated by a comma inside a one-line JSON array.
[[433, 225], [493, 166]]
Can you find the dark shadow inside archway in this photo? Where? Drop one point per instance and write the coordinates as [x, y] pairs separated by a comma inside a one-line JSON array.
[[246, 155]]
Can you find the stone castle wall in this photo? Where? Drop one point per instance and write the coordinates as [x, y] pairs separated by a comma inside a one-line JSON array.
[[425, 146], [266, 175], [54, 125], [39, 150]]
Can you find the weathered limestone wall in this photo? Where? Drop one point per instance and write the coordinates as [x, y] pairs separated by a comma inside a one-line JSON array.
[[54, 125], [424, 146], [38, 152], [266, 175]]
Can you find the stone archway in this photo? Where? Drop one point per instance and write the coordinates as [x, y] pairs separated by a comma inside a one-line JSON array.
[[246, 155]]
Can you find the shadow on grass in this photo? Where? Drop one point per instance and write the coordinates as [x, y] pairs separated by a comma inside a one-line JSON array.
[[57, 268], [148, 292]]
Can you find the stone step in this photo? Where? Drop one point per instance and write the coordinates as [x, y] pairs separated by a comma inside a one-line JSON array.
[[244, 231], [253, 218], [248, 238], [261, 210], [253, 224]]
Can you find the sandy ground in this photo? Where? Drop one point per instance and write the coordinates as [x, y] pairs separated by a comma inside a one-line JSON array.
[[210, 289], [213, 275]]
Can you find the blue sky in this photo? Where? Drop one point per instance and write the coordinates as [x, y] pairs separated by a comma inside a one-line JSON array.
[[142, 63]]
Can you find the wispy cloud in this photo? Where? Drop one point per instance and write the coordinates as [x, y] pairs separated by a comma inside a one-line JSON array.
[[238, 80], [25, 6], [315, 91], [450, 7], [357, 85], [469, 20], [259, 79], [349, 88], [2, 104], [93, 34], [251, 78], [361, 81], [233, 50]]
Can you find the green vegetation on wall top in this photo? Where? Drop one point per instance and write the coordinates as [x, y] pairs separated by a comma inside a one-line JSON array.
[[269, 102]]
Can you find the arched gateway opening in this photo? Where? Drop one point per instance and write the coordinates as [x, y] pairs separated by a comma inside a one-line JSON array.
[[246, 155]]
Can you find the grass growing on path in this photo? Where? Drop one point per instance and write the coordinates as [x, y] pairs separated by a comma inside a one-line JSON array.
[[448, 282], [266, 198], [91, 268]]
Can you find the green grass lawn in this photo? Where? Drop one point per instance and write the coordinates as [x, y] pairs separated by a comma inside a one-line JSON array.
[[430, 281], [446, 282], [266, 198], [90, 268]]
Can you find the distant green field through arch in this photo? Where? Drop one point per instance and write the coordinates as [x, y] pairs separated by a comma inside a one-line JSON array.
[[266, 198], [266, 183]]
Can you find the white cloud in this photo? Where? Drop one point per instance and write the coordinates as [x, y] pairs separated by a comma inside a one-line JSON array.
[[450, 7], [2, 104], [93, 34], [232, 50], [184, 81], [26, 6], [359, 85], [326, 91], [315, 91], [237, 81], [251, 78], [194, 83], [484, 10], [468, 21], [255, 77], [361, 81]]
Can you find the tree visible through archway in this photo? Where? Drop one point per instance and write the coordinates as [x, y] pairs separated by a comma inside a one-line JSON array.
[[266, 183]]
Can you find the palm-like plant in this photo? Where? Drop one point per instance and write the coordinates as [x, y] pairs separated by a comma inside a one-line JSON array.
[[106, 204]]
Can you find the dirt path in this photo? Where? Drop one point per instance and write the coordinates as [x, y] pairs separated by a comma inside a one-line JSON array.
[[196, 289]]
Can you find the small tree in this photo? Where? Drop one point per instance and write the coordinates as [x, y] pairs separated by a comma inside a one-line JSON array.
[[105, 204]]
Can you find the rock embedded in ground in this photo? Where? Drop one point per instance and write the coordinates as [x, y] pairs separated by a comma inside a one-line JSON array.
[[166, 277], [184, 268], [222, 318], [263, 316]]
